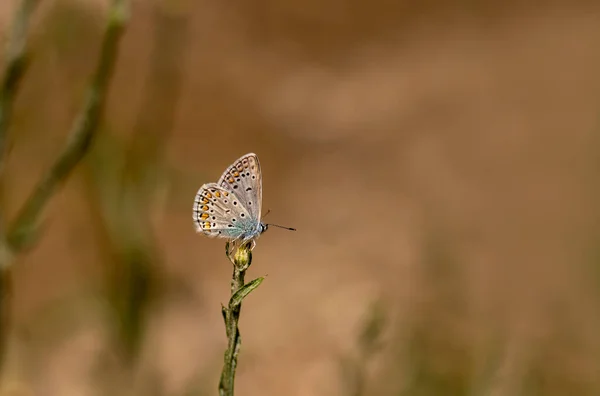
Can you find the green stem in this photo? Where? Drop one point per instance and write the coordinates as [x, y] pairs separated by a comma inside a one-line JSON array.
[[231, 314], [82, 132], [79, 140], [16, 65]]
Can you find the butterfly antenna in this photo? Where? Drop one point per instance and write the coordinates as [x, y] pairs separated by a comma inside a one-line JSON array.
[[265, 215], [285, 228]]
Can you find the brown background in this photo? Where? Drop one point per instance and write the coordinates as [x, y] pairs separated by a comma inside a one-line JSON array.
[[441, 156]]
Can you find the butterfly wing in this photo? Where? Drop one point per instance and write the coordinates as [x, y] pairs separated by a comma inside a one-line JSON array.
[[244, 178], [220, 213]]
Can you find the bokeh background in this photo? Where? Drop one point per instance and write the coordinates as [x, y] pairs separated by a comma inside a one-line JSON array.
[[440, 160]]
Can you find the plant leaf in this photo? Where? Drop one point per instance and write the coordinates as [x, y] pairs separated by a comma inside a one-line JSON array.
[[239, 295]]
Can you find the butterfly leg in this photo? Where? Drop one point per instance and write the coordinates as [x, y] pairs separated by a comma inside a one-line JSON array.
[[249, 243], [231, 247]]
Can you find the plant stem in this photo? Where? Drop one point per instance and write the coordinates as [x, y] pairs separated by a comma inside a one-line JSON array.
[[82, 132], [14, 70], [20, 232], [231, 314], [16, 65]]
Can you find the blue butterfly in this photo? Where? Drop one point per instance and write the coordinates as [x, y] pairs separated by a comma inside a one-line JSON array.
[[231, 208]]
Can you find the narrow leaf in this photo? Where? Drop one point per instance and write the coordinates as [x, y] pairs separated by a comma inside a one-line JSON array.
[[239, 295]]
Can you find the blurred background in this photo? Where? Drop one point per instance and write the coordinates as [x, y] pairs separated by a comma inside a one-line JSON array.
[[440, 160]]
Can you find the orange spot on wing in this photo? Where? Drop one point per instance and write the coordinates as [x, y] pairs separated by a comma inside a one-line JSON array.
[[207, 225], [217, 194], [204, 216], [208, 195], [204, 207], [231, 180]]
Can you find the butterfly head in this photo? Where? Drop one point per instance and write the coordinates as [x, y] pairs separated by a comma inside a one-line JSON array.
[[262, 227]]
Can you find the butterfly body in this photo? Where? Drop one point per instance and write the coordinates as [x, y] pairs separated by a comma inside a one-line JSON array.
[[231, 208]]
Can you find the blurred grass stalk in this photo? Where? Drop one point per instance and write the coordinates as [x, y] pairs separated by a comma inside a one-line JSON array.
[[23, 230], [15, 66], [126, 188], [438, 353], [369, 343], [14, 69]]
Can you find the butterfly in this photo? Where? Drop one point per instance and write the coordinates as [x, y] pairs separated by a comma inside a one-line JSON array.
[[231, 208]]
